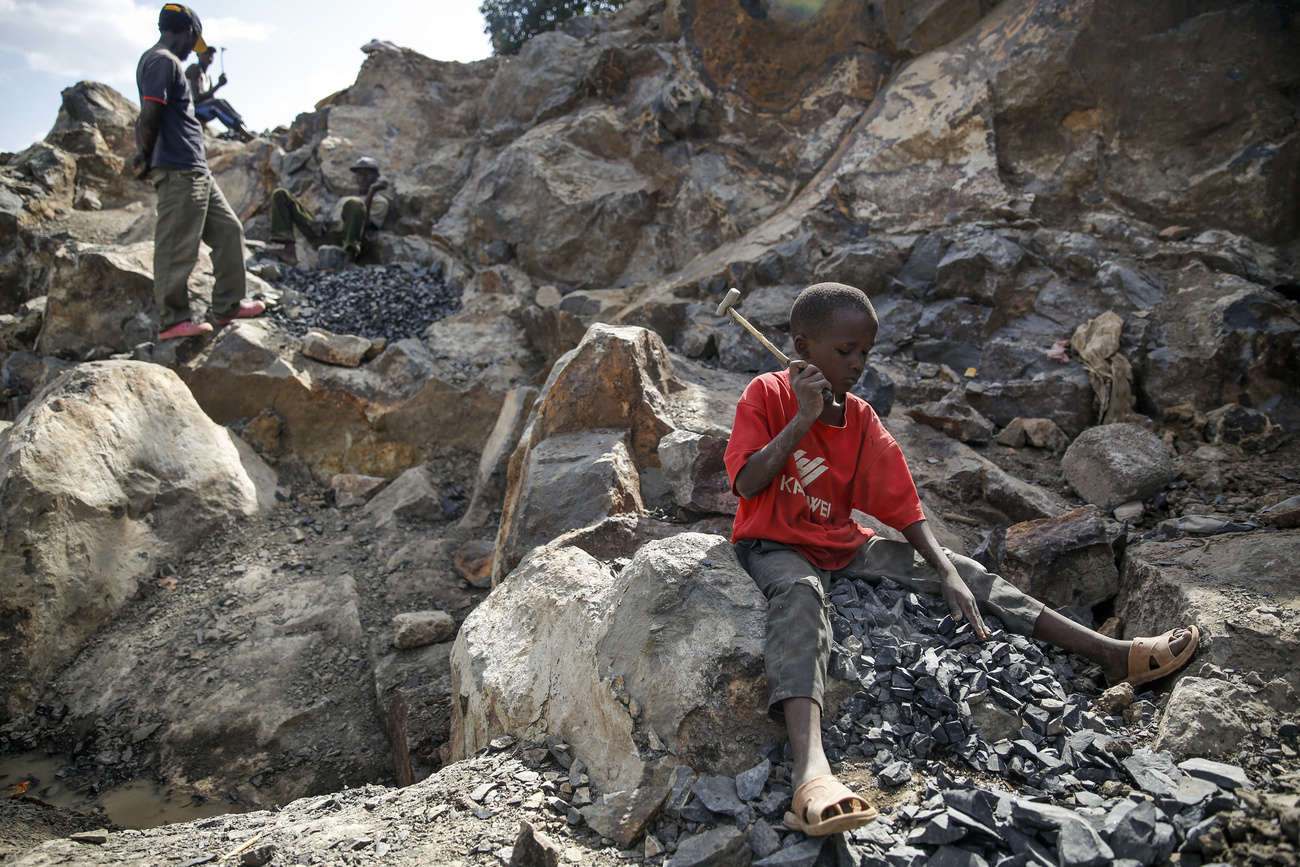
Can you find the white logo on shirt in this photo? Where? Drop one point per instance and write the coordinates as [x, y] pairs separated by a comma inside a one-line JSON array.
[[809, 470]]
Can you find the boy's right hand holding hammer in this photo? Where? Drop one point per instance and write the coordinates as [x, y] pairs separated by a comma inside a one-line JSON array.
[[808, 384]]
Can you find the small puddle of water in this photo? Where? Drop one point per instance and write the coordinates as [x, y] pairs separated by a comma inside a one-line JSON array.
[[136, 804]]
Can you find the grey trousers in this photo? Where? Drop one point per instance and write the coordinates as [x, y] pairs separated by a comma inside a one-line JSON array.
[[191, 209], [797, 646]]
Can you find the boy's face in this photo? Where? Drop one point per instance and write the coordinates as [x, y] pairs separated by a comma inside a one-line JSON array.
[[840, 349]]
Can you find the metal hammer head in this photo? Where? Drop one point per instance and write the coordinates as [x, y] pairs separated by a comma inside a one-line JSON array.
[[732, 295]]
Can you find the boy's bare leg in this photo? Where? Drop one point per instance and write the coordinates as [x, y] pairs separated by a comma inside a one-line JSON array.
[[821, 806], [803, 723], [1111, 654]]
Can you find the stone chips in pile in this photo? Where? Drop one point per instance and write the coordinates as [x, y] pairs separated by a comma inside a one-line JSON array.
[[920, 677], [394, 301]]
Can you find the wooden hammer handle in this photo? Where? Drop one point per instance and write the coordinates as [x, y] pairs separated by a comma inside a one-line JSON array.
[[744, 323]]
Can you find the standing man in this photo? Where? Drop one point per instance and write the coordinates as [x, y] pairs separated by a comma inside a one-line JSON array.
[[347, 223], [207, 106], [191, 208]]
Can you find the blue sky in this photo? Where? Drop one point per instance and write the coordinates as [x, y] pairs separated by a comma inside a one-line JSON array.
[[281, 57]]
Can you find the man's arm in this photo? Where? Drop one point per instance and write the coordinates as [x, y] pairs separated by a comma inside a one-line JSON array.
[[378, 185], [961, 602], [146, 136], [765, 464], [192, 73]]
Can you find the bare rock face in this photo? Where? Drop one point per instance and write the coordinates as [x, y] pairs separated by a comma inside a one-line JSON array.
[[956, 473], [568, 480], [610, 396], [1121, 105], [376, 420], [114, 468], [543, 80], [1209, 717], [574, 177], [667, 653], [1223, 339], [96, 124], [1168, 584], [100, 302], [417, 116]]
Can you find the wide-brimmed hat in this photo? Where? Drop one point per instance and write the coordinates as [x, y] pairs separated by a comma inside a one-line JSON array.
[[365, 163]]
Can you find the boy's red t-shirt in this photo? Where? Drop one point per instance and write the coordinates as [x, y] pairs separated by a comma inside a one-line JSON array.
[[833, 471]]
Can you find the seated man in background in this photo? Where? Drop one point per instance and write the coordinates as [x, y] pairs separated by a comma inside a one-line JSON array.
[[347, 223], [206, 106]]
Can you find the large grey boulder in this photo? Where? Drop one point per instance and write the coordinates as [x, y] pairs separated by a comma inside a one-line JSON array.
[[1116, 463], [100, 301], [1063, 561], [567, 481], [616, 380], [664, 655], [1168, 584], [1210, 717], [113, 469]]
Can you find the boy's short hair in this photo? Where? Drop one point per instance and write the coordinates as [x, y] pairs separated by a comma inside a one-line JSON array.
[[817, 305]]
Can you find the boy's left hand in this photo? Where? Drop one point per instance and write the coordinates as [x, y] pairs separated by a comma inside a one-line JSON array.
[[961, 602]]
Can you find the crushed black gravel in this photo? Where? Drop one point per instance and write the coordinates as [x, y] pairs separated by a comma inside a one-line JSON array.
[[1061, 783], [392, 301]]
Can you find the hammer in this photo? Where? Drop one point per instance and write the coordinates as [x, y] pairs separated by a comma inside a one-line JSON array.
[[727, 308]]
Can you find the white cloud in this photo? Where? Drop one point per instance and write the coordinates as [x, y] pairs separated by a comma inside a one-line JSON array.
[[96, 39], [220, 31]]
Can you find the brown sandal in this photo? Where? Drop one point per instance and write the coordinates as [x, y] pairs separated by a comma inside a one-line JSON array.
[[820, 795], [1146, 651]]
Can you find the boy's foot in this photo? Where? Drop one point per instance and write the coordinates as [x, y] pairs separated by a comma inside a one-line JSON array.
[[1153, 658], [247, 310], [824, 805], [287, 254], [185, 328]]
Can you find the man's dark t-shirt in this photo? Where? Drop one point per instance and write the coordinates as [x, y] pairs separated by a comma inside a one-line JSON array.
[[180, 135]]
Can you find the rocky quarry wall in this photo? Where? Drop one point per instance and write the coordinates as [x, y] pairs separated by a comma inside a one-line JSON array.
[[1078, 222]]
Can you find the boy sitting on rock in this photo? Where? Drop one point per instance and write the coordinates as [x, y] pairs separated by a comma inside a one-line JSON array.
[[800, 465]]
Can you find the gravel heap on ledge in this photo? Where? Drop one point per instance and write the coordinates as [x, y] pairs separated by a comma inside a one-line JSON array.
[[392, 301]]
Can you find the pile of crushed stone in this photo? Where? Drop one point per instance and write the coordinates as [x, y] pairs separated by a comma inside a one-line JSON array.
[[1013, 761], [390, 301]]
